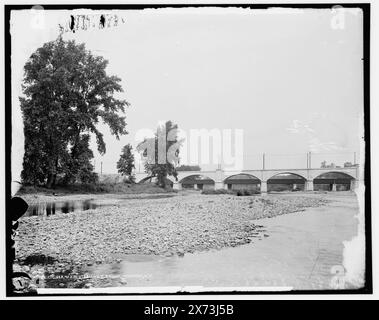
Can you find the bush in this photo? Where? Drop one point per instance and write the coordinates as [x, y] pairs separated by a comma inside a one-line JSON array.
[[218, 191], [129, 180], [247, 192], [242, 192], [120, 187]]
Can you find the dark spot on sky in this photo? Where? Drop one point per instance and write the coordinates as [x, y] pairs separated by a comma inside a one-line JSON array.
[[72, 24], [102, 21]]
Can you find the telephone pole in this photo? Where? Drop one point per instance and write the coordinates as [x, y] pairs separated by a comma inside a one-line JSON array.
[[264, 161]]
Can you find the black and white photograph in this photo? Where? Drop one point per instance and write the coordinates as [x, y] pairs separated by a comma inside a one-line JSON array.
[[198, 149]]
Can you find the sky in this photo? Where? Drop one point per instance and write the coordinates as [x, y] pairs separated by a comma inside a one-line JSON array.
[[292, 81]]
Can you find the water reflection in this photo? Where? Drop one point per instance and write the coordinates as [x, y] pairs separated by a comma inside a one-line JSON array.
[[51, 208]]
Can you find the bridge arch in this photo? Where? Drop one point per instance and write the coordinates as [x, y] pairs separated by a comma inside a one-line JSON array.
[[197, 182], [286, 181], [146, 179], [241, 175], [242, 181], [284, 173], [152, 179], [333, 181]]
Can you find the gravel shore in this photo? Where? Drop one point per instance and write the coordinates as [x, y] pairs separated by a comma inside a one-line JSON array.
[[164, 226]]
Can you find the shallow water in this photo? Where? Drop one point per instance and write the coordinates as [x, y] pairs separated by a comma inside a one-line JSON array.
[[44, 208], [51, 208]]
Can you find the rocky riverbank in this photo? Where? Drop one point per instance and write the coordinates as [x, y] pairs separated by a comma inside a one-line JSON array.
[[156, 226]]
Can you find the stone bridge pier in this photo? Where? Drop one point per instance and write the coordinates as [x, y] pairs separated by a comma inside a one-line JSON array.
[[177, 186], [309, 185]]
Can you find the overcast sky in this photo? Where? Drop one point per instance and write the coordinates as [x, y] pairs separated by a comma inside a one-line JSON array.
[[291, 81]]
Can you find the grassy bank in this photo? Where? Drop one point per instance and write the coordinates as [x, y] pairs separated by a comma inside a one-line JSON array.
[[100, 191], [94, 188]]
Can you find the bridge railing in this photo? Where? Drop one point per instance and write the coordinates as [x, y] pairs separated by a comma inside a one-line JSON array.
[[265, 161]]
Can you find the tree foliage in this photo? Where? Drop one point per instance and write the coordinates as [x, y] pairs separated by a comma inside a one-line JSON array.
[[77, 166], [66, 93], [162, 153], [184, 167], [125, 164]]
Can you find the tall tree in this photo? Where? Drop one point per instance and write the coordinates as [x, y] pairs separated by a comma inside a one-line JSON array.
[[66, 92], [162, 153], [125, 164], [78, 166]]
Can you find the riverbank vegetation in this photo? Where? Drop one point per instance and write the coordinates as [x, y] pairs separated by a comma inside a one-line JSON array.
[[110, 188], [242, 192]]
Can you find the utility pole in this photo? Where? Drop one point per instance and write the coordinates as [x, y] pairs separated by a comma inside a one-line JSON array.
[[355, 158], [307, 160], [101, 168], [264, 161]]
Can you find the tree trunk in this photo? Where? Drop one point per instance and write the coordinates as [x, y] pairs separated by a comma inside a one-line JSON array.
[[162, 181], [50, 180], [52, 175]]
